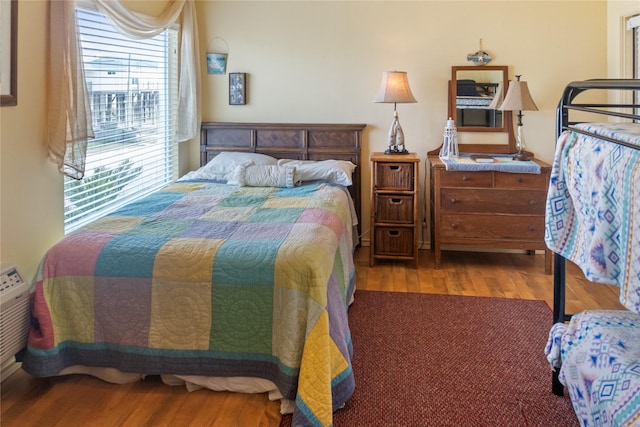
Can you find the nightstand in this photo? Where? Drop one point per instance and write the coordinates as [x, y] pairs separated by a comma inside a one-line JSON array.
[[488, 209], [394, 207]]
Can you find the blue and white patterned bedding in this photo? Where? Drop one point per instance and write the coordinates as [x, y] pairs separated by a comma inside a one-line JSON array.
[[599, 352], [593, 220], [593, 206]]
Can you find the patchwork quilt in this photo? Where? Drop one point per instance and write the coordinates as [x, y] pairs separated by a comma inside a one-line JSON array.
[[599, 356], [208, 279], [593, 206]]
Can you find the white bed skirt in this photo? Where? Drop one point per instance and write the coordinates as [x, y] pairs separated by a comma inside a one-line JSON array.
[[191, 382]]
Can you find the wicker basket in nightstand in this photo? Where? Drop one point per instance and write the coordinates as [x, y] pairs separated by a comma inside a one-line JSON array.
[[394, 210]]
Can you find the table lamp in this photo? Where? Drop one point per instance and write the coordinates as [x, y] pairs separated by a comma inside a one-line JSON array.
[[394, 88], [519, 99]]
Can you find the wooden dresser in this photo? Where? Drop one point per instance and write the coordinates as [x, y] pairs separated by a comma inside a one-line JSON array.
[[394, 207], [488, 209]]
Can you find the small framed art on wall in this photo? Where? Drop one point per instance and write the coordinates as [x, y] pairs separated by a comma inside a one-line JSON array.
[[237, 88], [9, 53]]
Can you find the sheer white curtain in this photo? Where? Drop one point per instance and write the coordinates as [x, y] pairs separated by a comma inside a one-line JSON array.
[[69, 120], [69, 113]]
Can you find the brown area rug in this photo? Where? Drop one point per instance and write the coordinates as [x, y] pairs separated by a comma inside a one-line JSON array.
[[444, 360]]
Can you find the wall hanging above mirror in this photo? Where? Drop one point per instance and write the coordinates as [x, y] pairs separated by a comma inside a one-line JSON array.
[[480, 57]]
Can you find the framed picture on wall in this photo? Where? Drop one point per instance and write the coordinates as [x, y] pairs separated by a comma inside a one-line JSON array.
[[8, 52], [237, 88]]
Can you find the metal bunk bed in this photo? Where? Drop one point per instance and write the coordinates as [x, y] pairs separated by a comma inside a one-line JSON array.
[[563, 122]]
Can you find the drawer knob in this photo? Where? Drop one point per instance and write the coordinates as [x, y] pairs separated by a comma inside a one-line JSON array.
[[532, 202], [465, 178], [454, 225], [532, 228], [520, 180], [453, 201]]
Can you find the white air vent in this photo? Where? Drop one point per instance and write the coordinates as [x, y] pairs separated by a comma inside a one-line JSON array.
[[15, 316]]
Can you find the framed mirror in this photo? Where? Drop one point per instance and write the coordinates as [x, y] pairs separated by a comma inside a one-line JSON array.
[[475, 93]]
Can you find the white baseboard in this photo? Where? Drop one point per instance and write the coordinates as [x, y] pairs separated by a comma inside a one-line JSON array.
[[8, 367]]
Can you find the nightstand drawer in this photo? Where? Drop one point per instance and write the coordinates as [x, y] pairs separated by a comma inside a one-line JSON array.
[[395, 176], [521, 227], [466, 179], [526, 181], [394, 208], [394, 241], [502, 201]]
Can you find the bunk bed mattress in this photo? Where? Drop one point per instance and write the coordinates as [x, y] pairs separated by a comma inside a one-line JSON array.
[[599, 356], [208, 279], [593, 206]]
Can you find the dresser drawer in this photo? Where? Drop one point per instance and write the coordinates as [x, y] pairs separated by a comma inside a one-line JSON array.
[[466, 179], [522, 180], [395, 176], [392, 241], [394, 208], [501, 201], [521, 227]]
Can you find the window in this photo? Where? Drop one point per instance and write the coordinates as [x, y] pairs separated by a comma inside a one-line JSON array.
[[133, 90], [636, 57], [634, 25]]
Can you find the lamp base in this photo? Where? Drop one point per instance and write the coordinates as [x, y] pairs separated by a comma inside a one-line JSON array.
[[522, 157], [395, 150]]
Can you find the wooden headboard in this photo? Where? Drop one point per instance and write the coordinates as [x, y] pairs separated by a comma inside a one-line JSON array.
[[288, 141]]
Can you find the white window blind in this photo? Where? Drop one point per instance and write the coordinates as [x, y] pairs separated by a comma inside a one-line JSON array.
[[133, 90]]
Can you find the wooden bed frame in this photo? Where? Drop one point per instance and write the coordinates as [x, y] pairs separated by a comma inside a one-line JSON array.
[[288, 141], [566, 105]]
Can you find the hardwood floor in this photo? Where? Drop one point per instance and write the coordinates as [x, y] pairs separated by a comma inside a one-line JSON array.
[[86, 401]]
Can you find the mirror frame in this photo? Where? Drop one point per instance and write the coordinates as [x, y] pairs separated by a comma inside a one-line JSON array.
[[507, 117]]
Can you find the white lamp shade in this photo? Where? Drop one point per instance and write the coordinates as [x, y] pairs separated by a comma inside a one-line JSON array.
[[394, 88], [498, 97], [518, 98]]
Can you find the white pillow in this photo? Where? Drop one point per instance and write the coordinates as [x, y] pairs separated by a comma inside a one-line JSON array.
[[263, 176], [338, 171], [225, 163]]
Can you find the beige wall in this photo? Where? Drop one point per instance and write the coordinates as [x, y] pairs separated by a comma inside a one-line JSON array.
[[31, 210], [320, 62]]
